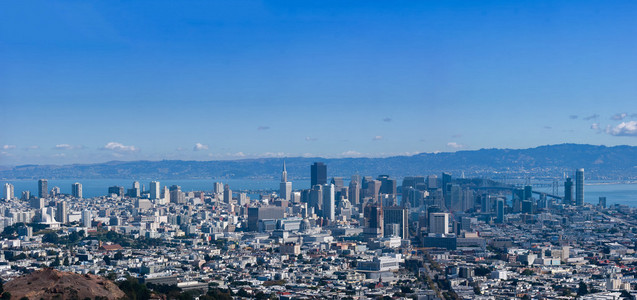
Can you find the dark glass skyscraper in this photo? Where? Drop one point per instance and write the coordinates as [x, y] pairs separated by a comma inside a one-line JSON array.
[[568, 191], [319, 173], [579, 187], [43, 188]]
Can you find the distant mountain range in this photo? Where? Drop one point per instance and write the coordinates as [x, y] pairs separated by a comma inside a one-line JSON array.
[[552, 161]]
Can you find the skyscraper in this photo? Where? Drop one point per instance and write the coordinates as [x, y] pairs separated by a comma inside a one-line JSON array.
[[62, 213], [227, 194], [316, 199], [329, 202], [155, 190], [43, 188], [398, 215], [176, 196], [76, 191], [285, 187], [8, 191], [439, 223], [500, 211], [568, 191], [87, 219], [319, 173], [354, 191], [218, 187], [579, 187]]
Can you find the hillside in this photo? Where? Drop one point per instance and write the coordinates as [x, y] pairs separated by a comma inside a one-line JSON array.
[[600, 162], [53, 284]]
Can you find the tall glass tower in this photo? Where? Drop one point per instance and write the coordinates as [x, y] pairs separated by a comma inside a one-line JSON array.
[[579, 187]]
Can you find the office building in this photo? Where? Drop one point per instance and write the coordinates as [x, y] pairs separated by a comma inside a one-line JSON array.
[[43, 188], [256, 214], [500, 211], [218, 188], [439, 223], [285, 187], [579, 187], [354, 192], [400, 216], [155, 191], [568, 192], [446, 184], [374, 221], [76, 190], [602, 202], [329, 202], [117, 190], [176, 195], [36, 202], [388, 186], [87, 219], [315, 202], [165, 194], [528, 192], [318, 174], [62, 212], [8, 191], [227, 194], [242, 199]]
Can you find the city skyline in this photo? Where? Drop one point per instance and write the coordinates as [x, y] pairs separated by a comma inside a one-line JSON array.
[[95, 82]]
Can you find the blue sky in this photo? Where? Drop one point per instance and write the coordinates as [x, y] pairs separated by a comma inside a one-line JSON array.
[[85, 81]]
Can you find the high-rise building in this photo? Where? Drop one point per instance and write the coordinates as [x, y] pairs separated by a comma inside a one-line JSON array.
[[446, 184], [329, 202], [374, 221], [316, 199], [155, 192], [579, 187], [8, 191], [568, 191], [87, 219], [227, 194], [263, 213], [319, 174], [135, 191], [397, 215], [354, 192], [76, 190], [602, 202], [176, 196], [439, 223], [373, 188], [117, 190], [37, 203], [165, 194], [528, 192], [285, 187], [338, 183], [43, 188], [387, 186], [432, 182], [500, 211], [242, 199], [218, 188], [62, 212], [26, 195]]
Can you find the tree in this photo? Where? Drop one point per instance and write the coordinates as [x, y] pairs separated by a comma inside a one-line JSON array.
[[582, 289], [107, 259], [51, 237]]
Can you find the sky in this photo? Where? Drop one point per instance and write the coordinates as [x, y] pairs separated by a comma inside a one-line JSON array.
[[95, 81]]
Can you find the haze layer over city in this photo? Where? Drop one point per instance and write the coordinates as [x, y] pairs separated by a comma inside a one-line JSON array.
[[318, 149]]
